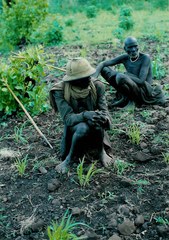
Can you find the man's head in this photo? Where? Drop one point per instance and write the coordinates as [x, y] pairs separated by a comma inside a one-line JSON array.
[[78, 72], [131, 47]]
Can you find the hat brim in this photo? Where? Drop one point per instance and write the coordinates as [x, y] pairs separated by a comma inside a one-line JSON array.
[[68, 78]]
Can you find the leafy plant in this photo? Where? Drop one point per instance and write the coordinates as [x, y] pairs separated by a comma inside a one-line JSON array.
[[120, 166], [48, 32], [63, 230], [84, 179], [21, 165], [125, 19], [23, 72], [20, 19], [91, 11], [134, 134]]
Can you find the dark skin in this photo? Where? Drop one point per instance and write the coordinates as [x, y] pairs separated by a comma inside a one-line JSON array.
[[138, 70], [93, 125]]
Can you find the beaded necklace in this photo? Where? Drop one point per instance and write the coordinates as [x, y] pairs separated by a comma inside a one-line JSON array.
[[135, 59]]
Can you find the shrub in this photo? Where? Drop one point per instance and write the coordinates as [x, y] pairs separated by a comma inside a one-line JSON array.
[[49, 32], [69, 22], [23, 74], [125, 19], [91, 11], [20, 19]]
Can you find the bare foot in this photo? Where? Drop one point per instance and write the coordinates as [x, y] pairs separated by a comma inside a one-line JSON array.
[[106, 159], [62, 167]]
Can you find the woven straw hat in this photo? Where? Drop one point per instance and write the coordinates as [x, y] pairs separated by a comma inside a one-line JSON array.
[[78, 68]]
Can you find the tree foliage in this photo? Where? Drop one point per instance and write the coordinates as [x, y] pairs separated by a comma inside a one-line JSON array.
[[19, 19]]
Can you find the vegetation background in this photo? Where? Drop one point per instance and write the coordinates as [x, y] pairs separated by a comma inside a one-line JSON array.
[[37, 38]]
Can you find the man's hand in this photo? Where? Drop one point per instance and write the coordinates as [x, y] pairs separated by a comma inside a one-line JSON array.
[[95, 118]]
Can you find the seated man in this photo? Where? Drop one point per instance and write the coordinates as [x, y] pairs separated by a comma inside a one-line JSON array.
[[135, 83], [81, 103]]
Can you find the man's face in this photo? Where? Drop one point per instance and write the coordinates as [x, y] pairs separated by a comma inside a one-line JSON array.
[[131, 49], [82, 83]]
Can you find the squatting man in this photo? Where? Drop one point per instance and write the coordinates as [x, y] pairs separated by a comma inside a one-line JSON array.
[[81, 103], [134, 85]]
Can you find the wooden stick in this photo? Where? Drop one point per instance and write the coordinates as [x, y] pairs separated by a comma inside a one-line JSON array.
[[60, 69], [28, 115]]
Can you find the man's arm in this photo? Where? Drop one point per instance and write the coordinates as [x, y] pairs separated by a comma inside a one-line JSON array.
[[108, 63], [69, 117], [102, 104], [145, 68]]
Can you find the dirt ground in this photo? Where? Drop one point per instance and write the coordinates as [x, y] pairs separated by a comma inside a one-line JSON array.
[[128, 201]]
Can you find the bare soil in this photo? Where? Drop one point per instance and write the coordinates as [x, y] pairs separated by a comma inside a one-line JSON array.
[[132, 204]]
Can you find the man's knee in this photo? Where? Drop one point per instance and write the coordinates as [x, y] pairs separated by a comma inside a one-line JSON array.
[[108, 74], [120, 79], [82, 130]]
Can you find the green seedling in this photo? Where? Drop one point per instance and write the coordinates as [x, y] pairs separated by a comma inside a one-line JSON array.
[[120, 166], [145, 114], [106, 196], [84, 179], [134, 134], [162, 220], [141, 182], [21, 165], [166, 157], [18, 134], [64, 229]]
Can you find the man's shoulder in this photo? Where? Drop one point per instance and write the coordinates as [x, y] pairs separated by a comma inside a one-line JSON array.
[[58, 86], [98, 83], [145, 56]]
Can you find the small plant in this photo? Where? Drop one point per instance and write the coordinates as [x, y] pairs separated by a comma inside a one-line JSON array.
[[158, 68], [134, 134], [162, 220], [105, 196], [125, 19], [21, 165], [120, 166], [119, 33], [69, 22], [63, 230], [145, 114], [91, 11], [18, 134], [84, 179], [166, 157], [141, 182]]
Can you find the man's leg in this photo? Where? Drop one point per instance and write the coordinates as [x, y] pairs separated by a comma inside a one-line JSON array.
[[110, 76], [103, 156], [79, 132], [128, 87]]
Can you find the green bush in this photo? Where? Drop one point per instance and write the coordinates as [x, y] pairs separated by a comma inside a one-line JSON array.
[[49, 32], [20, 73], [91, 11], [125, 19], [69, 22], [18, 21]]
